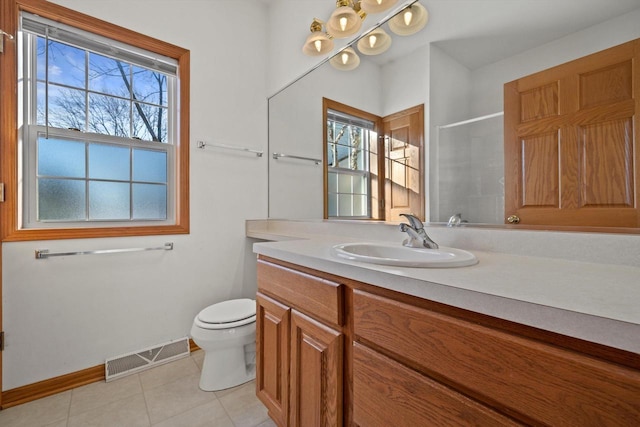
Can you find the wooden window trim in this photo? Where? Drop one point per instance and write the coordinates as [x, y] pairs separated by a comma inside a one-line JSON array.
[[9, 13]]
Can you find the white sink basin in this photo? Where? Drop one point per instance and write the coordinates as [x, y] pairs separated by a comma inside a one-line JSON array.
[[398, 255]]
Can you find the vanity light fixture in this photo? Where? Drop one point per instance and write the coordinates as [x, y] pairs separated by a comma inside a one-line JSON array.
[[410, 20], [346, 60], [318, 42], [376, 6], [374, 43], [346, 20]]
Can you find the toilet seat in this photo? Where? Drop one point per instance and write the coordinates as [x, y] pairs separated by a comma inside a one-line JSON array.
[[228, 314]]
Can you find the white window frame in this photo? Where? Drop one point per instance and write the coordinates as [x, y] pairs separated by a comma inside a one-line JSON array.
[[27, 213], [363, 123]]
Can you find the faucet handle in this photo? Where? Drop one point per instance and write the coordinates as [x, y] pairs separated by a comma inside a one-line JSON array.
[[414, 221]]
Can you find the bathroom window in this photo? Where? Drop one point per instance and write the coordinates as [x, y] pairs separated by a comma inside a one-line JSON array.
[[101, 141], [351, 144]]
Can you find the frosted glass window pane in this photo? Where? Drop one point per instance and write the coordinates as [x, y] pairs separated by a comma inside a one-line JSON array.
[[149, 166], [109, 76], [344, 183], [66, 107], [109, 115], [61, 158], [109, 200], [360, 206], [109, 162], [359, 185], [150, 122], [61, 199], [332, 182], [66, 63], [149, 201], [345, 204], [332, 201], [149, 86]]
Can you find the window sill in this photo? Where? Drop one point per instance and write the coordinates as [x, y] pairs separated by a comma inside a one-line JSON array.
[[88, 233]]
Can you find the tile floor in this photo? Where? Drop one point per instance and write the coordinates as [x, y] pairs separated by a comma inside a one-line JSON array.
[[165, 396]]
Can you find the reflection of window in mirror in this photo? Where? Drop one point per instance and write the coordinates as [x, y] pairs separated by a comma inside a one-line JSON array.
[[369, 174], [351, 162]]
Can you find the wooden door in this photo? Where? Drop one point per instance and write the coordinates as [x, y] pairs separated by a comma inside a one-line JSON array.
[[272, 358], [572, 151], [404, 160], [316, 373]]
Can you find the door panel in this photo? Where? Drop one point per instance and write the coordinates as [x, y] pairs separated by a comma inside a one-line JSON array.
[[571, 142], [404, 160]]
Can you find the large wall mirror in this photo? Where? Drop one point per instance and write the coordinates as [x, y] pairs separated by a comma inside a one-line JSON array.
[[456, 67]]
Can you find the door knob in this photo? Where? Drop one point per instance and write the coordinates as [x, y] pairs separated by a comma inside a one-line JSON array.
[[513, 219]]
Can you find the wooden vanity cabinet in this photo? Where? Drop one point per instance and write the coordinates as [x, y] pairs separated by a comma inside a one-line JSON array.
[[375, 357], [300, 347]]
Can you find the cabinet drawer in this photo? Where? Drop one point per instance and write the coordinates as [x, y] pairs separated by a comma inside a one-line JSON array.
[[387, 393], [319, 298], [530, 380]]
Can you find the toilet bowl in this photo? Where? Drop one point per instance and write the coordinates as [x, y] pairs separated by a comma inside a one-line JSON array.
[[226, 332]]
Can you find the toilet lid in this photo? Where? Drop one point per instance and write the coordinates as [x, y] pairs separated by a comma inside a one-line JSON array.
[[228, 311]]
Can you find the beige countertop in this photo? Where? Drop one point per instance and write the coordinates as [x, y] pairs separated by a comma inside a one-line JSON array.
[[597, 302]]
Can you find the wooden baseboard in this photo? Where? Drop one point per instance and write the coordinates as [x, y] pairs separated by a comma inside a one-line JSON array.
[[27, 393], [30, 392]]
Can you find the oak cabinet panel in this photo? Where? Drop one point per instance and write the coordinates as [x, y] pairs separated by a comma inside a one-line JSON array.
[[299, 357], [272, 356], [394, 359], [529, 380], [316, 373], [388, 393]]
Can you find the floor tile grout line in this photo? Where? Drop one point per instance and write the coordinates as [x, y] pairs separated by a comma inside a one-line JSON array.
[[144, 397]]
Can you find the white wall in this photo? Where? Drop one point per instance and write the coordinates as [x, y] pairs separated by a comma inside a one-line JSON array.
[[295, 128], [69, 313], [488, 81]]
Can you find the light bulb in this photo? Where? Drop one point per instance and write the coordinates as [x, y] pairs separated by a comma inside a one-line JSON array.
[[343, 23], [379, 2], [408, 16], [318, 45], [372, 41], [345, 58]]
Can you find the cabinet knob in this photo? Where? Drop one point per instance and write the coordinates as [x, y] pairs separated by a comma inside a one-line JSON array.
[[513, 219]]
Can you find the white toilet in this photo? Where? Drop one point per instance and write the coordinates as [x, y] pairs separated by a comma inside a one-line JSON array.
[[226, 332]]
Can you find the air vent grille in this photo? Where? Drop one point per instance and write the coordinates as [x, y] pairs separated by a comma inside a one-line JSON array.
[[137, 361]]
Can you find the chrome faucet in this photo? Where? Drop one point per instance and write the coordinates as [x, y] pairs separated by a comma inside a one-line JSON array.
[[417, 236], [455, 220]]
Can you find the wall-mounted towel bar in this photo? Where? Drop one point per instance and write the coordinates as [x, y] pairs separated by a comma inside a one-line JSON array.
[[475, 119], [203, 144], [44, 253], [276, 156]]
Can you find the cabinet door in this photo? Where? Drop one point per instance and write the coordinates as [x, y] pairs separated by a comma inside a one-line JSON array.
[[272, 357], [316, 373]]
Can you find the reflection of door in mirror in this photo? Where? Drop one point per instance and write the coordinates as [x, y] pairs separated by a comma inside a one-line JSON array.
[[404, 174], [571, 142], [369, 174]]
